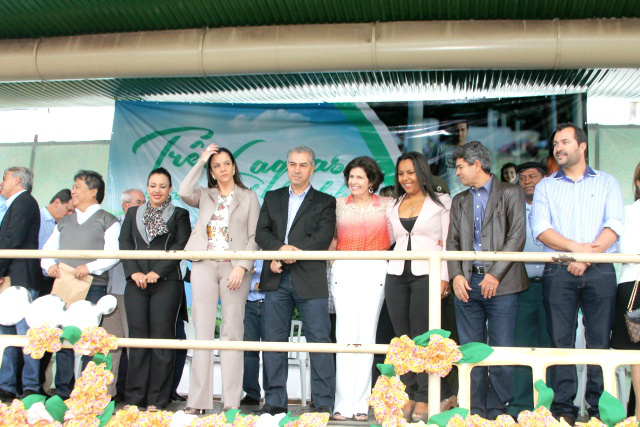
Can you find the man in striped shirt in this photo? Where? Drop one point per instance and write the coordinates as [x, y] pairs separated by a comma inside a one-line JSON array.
[[579, 210]]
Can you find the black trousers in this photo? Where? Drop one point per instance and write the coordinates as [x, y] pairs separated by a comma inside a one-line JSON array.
[[151, 313], [407, 298]]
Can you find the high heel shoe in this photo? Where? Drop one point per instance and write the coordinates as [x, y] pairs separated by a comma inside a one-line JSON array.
[[407, 410], [194, 411], [420, 412]]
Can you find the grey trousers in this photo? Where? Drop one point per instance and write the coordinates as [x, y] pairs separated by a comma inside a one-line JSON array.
[[208, 285]]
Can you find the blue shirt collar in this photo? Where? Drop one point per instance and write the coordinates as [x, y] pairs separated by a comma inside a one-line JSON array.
[[560, 173], [487, 186], [303, 194]]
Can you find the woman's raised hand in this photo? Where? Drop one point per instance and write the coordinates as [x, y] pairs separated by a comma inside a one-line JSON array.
[[208, 152]]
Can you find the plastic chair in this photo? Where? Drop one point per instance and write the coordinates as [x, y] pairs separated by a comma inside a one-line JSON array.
[[295, 358]]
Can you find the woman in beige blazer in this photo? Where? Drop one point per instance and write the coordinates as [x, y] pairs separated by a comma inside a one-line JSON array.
[[418, 220], [227, 221]]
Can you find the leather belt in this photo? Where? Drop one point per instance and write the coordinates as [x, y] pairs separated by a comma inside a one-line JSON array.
[[478, 269]]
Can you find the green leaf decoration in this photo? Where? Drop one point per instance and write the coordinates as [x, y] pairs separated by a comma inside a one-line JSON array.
[[443, 418], [99, 358], [107, 414], [423, 340], [71, 334], [287, 419], [230, 415], [386, 369], [611, 410], [545, 395], [375, 425], [474, 352], [33, 398], [56, 407]]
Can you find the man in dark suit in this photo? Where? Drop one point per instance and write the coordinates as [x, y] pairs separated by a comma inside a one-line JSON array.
[[19, 230], [296, 218], [489, 216]]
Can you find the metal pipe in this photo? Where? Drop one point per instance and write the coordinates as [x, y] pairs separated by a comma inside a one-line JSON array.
[[413, 45]]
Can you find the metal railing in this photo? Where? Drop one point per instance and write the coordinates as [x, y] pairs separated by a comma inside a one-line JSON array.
[[539, 359]]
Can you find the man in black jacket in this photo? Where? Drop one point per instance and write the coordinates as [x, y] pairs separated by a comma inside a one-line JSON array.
[[19, 230], [296, 218]]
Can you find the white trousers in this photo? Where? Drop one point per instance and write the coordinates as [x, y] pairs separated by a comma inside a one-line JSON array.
[[357, 288]]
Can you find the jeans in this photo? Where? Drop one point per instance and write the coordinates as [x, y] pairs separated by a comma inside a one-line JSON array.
[[492, 388], [279, 305], [65, 358], [563, 295], [254, 330], [10, 361]]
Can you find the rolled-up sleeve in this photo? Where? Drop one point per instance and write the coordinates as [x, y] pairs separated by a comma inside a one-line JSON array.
[[540, 216], [614, 207]]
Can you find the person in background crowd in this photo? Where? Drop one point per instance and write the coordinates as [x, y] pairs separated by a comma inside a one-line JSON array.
[[226, 222], [59, 207], [154, 290], [19, 230], [88, 228], [577, 210], [489, 216], [361, 225], [254, 330], [293, 218], [418, 220], [531, 321], [116, 322], [508, 173], [629, 243], [441, 159]]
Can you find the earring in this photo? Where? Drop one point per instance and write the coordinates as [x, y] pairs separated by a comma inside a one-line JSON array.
[[370, 190]]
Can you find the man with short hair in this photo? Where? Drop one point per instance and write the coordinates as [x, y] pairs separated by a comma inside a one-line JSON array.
[[489, 216], [294, 218], [19, 230], [580, 210], [116, 322], [88, 228], [531, 322], [441, 158], [59, 207]]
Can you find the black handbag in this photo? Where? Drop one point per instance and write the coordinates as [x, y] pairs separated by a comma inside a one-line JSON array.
[[632, 317]]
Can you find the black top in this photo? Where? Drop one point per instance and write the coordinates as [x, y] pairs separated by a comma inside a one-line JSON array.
[[408, 224]]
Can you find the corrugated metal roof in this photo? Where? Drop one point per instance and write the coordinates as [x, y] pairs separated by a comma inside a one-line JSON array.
[[47, 18], [326, 87]]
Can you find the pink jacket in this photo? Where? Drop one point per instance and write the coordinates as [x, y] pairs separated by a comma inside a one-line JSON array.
[[429, 234]]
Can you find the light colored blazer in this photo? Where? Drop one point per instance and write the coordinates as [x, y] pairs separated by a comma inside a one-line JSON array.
[[629, 242], [428, 234], [243, 216]]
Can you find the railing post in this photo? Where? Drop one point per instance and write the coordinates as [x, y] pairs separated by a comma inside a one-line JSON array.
[[434, 323]]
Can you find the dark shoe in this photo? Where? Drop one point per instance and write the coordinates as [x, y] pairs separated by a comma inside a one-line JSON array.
[[249, 401], [29, 393], [323, 409], [270, 409], [175, 397], [568, 418], [118, 398], [6, 396]]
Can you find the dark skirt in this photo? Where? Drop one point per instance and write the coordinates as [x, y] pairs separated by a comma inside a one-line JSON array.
[[620, 337]]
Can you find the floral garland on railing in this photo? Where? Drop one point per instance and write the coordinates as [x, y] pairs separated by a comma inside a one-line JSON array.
[[432, 352]]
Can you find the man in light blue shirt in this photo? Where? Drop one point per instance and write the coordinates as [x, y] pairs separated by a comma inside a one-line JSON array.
[[579, 210], [59, 207], [531, 321], [254, 330]]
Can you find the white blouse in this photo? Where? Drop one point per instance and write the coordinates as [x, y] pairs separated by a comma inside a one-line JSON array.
[[218, 226], [629, 242]]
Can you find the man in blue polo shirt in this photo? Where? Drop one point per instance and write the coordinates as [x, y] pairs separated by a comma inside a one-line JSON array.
[[579, 210]]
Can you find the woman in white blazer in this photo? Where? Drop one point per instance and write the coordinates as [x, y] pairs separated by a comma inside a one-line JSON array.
[[629, 243], [419, 220], [227, 219]]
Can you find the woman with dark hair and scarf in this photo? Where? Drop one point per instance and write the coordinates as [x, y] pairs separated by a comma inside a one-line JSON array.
[[227, 219], [154, 290]]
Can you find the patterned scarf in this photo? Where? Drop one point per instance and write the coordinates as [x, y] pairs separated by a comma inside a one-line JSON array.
[[152, 219]]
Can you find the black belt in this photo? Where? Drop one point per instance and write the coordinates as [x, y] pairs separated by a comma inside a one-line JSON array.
[[478, 269]]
